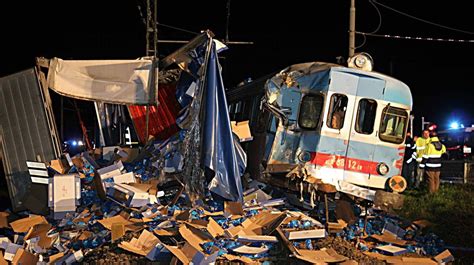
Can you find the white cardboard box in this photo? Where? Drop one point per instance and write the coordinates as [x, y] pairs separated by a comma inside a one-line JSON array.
[[127, 195], [64, 194]]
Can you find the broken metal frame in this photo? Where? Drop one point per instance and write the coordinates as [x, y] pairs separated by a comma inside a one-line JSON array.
[[40, 62]]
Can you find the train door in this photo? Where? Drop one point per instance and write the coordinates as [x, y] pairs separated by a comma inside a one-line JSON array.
[[329, 154], [360, 166]]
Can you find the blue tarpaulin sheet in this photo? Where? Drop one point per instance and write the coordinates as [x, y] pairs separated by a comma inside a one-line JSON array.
[[219, 150]]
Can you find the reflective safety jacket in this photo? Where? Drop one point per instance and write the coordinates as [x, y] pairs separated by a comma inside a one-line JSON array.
[[410, 151], [432, 156], [421, 146]]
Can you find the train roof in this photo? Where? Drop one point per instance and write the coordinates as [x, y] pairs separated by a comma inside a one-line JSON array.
[[395, 90], [319, 73]]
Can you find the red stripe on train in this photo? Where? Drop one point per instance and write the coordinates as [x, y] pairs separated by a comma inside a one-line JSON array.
[[343, 162]]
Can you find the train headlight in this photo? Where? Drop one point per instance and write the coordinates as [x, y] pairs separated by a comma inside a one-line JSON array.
[[304, 156], [382, 169], [361, 61]]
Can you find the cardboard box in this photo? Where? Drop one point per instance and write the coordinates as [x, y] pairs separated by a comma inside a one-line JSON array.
[[4, 219], [214, 228], [393, 229], [109, 172], [305, 234], [251, 238], [55, 257], [337, 227], [10, 251], [242, 130], [194, 237], [392, 250], [59, 166], [125, 178], [243, 259], [189, 255], [322, 256], [24, 257], [128, 195], [389, 238], [233, 209], [256, 194], [250, 250], [142, 245], [444, 257], [410, 261], [64, 194], [119, 219], [118, 230], [261, 224], [40, 232], [23, 225]]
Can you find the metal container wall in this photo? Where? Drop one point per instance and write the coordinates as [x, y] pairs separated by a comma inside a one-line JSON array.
[[26, 134]]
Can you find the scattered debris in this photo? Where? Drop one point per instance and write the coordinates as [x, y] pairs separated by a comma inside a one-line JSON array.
[[134, 223]]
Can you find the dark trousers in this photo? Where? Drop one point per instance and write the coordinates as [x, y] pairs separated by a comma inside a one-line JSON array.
[[408, 172], [432, 176], [420, 172]]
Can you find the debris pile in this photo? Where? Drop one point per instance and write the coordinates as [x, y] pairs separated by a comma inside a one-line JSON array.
[[103, 210]]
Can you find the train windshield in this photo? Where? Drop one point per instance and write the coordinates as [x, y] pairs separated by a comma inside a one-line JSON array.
[[310, 111], [393, 126]]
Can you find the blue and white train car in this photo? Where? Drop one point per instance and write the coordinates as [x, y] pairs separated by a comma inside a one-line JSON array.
[[332, 124]]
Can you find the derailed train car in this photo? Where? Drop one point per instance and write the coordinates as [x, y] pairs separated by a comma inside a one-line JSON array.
[[320, 123]]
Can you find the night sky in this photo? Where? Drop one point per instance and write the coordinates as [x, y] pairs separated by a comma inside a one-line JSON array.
[[284, 33]]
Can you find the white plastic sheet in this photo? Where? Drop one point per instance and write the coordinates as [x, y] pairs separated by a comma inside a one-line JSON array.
[[111, 81]]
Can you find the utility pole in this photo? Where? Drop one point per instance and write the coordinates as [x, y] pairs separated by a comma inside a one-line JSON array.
[[152, 50], [151, 28], [352, 18]]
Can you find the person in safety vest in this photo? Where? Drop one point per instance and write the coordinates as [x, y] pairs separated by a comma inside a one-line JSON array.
[[432, 162], [409, 161], [421, 145]]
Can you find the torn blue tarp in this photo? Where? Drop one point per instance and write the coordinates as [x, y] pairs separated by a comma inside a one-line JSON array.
[[208, 149], [218, 147]]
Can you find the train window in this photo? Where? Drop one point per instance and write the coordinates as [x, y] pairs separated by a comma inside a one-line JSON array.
[[337, 111], [310, 111], [393, 126], [366, 116]]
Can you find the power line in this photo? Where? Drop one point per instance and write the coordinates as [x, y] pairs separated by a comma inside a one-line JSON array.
[[422, 20], [413, 38], [380, 16], [376, 29], [179, 29]]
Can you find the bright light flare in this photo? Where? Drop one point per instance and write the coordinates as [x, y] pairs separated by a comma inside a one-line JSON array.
[[454, 125]]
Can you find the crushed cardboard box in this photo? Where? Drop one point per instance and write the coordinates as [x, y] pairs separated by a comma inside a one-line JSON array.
[[142, 245], [24, 224], [319, 256]]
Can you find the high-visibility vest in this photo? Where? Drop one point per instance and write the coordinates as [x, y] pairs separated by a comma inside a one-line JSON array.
[[432, 156], [421, 145]]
